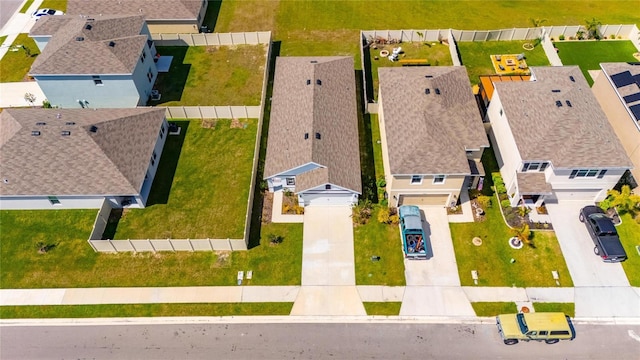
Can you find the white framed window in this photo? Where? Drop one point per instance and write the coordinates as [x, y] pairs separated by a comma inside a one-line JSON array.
[[98, 82], [416, 179], [291, 181], [54, 200], [586, 173], [534, 166], [439, 179]]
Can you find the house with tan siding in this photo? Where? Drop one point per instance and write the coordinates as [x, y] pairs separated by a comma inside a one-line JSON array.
[[431, 132]]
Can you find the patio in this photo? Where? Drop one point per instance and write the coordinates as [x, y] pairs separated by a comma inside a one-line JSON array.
[[510, 64]]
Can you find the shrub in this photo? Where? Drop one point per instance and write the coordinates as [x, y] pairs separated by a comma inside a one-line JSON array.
[[384, 202], [505, 203], [484, 201], [299, 210], [523, 210], [46, 104], [561, 37], [612, 36], [275, 239], [361, 212], [624, 200], [388, 216], [382, 182], [498, 183]]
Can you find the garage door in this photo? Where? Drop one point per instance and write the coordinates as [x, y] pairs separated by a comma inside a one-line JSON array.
[[329, 199], [430, 199], [582, 194]]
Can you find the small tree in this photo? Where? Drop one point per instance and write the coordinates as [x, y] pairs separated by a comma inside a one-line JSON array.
[[593, 28], [624, 201], [30, 98], [275, 239], [523, 233], [537, 22]]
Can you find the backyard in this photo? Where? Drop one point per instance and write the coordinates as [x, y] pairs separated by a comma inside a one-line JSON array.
[[212, 75], [629, 232], [202, 185], [589, 54], [476, 56], [70, 261], [15, 65]]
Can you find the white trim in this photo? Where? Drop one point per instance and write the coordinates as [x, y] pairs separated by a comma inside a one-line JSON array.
[[444, 179]]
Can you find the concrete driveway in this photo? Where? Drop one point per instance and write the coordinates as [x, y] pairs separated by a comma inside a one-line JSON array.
[[12, 94], [585, 267]]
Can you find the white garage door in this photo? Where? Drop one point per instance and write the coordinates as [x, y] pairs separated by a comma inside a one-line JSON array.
[[581, 195], [422, 199], [329, 199]]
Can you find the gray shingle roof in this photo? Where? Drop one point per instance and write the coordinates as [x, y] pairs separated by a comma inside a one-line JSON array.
[[111, 161], [428, 133], [329, 109], [93, 55], [151, 9], [569, 136], [533, 183]]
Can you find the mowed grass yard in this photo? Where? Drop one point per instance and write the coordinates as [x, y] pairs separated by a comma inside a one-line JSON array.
[[71, 263], [476, 56], [201, 189], [589, 54], [212, 75], [15, 65], [629, 232], [54, 4]]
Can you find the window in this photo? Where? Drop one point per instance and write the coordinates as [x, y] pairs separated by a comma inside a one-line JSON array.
[[534, 166], [327, 187], [291, 181], [161, 132], [601, 175], [544, 166], [438, 179], [560, 332], [54, 200], [154, 155], [162, 129], [143, 56], [149, 75], [501, 112], [586, 173], [543, 333], [153, 162], [98, 82], [416, 179]]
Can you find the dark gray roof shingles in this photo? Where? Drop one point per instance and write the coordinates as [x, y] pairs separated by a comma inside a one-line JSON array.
[[111, 161], [429, 133], [152, 9], [569, 136], [329, 109], [93, 55]]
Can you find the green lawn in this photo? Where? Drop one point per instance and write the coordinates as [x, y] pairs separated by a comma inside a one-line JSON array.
[[212, 75], [72, 262], [476, 55], [143, 310], [383, 308], [492, 260], [202, 186], [15, 65], [494, 308], [629, 232], [589, 54], [567, 308], [54, 4], [25, 7], [377, 239], [436, 55]]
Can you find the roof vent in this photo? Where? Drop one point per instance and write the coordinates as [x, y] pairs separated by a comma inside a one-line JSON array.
[[319, 82], [308, 81], [318, 136], [314, 61], [427, 91], [306, 136], [65, 133], [88, 26], [35, 133], [70, 123], [428, 76], [112, 43], [555, 90], [569, 103], [91, 19], [6, 181], [58, 116], [437, 91], [558, 103], [93, 129], [79, 38], [40, 123], [572, 78]]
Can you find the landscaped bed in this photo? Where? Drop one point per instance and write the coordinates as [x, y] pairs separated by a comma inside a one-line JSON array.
[[589, 54], [202, 185], [212, 75], [476, 56]]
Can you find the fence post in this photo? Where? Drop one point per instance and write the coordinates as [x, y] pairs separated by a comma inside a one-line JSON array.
[[171, 244], [153, 247], [130, 243], [191, 245], [92, 246], [230, 246]]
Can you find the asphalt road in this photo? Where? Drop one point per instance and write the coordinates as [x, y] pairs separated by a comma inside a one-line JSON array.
[[305, 341], [7, 8]]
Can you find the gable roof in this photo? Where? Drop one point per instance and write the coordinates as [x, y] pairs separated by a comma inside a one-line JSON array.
[[113, 160], [625, 79], [83, 45], [151, 9], [328, 109], [574, 134], [429, 133]]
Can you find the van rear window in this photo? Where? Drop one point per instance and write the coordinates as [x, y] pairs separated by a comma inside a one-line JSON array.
[[560, 332]]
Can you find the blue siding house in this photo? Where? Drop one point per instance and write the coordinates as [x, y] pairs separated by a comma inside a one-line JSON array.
[[94, 62]]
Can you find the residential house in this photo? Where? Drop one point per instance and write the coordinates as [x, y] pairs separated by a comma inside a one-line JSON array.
[[552, 140], [163, 16], [76, 159], [431, 132], [618, 93], [313, 131], [94, 62]]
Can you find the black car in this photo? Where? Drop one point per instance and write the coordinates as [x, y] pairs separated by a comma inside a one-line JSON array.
[[603, 233]]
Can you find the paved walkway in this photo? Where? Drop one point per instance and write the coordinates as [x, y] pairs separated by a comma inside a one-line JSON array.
[[276, 211]]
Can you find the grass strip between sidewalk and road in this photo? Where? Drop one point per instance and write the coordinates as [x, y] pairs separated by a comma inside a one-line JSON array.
[[143, 310], [484, 309], [567, 308], [25, 7], [383, 308]]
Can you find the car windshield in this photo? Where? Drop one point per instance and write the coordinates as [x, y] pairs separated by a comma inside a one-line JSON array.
[[51, 11], [522, 323]]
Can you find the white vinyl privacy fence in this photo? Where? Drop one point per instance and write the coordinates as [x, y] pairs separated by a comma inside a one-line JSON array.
[[213, 112], [212, 39]]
